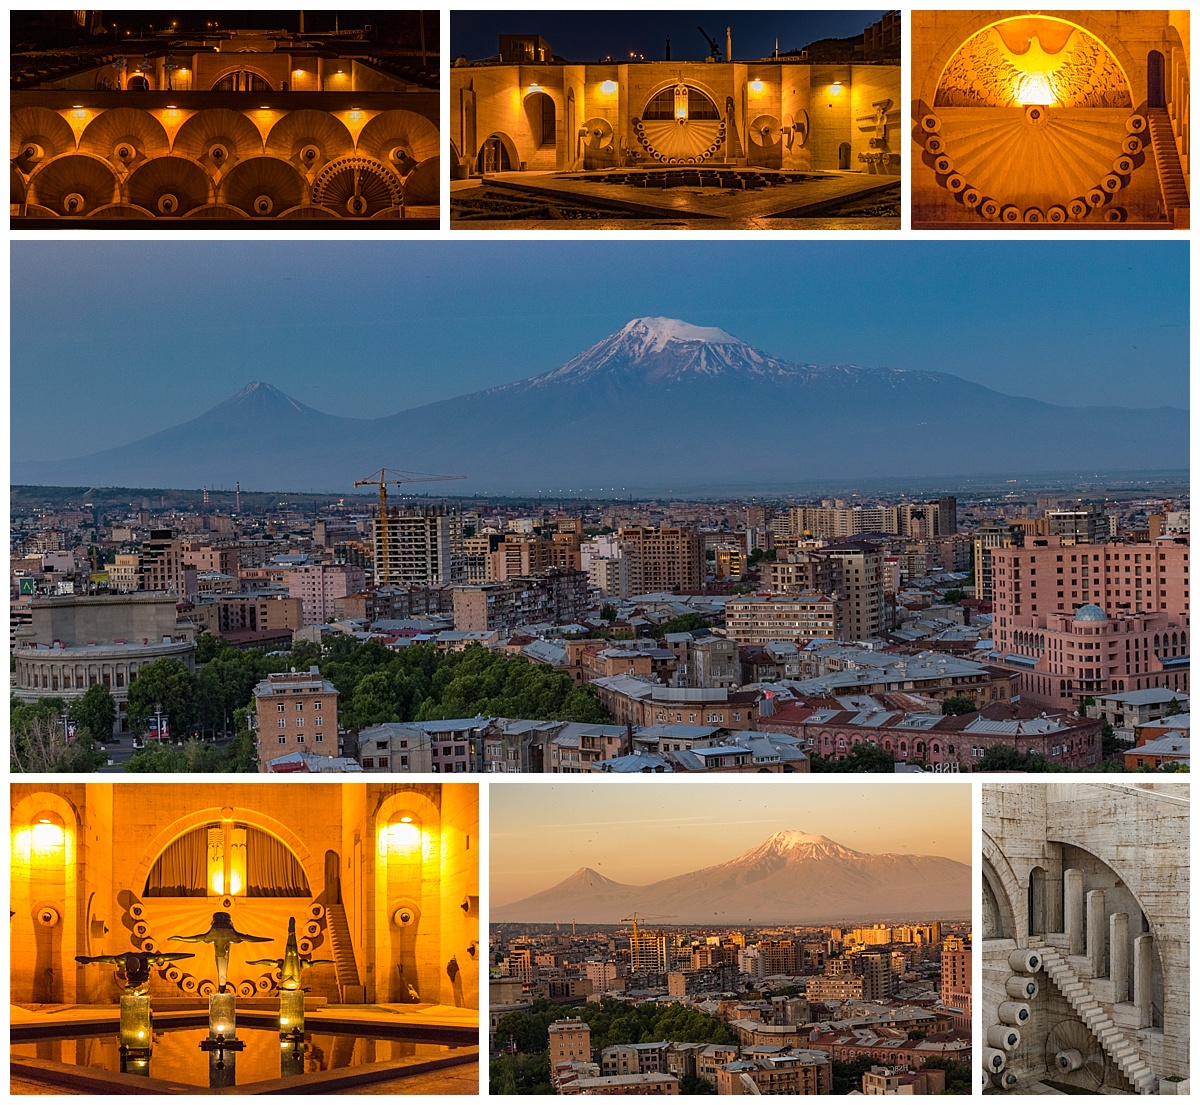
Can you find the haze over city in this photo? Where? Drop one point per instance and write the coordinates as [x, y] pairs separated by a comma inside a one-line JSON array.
[[633, 835]]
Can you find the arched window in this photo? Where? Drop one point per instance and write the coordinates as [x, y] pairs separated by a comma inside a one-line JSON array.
[[226, 858]]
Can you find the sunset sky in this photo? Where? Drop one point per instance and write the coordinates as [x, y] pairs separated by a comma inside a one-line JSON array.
[[639, 832]]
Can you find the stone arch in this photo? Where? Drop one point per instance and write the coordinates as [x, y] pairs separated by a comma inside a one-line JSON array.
[[91, 178], [1156, 79], [239, 67], [125, 129], [169, 186], [313, 865], [45, 971], [1006, 888], [541, 116], [217, 137], [925, 85], [497, 153]]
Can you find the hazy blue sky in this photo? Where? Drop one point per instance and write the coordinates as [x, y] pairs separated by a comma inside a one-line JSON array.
[[540, 834], [589, 35], [112, 340]]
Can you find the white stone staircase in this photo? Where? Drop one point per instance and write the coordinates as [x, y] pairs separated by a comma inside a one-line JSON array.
[[1171, 177], [1114, 1041]]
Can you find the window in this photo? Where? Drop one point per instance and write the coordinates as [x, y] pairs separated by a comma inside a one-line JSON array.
[[317, 704], [281, 724], [279, 707], [319, 738], [318, 722], [283, 740], [299, 738]]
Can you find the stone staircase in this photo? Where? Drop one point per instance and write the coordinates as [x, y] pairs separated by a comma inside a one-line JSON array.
[[338, 929], [1114, 1041], [545, 159], [1171, 177]]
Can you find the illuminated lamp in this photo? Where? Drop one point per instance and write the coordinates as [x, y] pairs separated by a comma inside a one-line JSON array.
[[535, 88], [608, 87], [222, 1017], [291, 1012], [48, 833], [135, 1033], [756, 85]]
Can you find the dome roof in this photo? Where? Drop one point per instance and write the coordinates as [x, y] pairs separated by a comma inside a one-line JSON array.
[[1090, 613]]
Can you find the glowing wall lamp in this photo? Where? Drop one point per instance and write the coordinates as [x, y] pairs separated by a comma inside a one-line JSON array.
[[608, 87], [400, 836], [835, 89], [48, 834], [756, 85]]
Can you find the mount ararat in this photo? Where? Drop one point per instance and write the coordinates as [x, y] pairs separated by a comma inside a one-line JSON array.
[[660, 405], [792, 877]]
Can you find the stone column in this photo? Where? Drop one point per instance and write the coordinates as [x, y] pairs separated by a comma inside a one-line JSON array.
[[1096, 933], [1073, 910], [1143, 973], [1118, 955]]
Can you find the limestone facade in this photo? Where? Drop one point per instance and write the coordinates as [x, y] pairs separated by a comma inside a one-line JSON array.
[[1085, 934]]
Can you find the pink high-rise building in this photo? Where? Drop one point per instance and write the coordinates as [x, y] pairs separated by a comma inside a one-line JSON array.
[[317, 585], [1080, 620]]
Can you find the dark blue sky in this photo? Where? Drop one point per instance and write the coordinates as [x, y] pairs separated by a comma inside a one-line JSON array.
[[589, 35], [112, 340]]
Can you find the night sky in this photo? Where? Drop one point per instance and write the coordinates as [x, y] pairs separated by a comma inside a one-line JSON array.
[[589, 35], [113, 340]]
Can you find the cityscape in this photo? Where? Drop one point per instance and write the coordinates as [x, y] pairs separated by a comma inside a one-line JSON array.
[[660, 991], [699, 432], [398, 623]]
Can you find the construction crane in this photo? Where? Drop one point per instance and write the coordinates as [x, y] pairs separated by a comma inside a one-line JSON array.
[[713, 49], [647, 917], [381, 479]]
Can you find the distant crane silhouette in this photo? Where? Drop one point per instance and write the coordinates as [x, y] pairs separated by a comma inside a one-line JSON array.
[[381, 480]]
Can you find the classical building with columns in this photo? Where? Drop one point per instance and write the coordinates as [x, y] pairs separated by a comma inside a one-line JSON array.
[[80, 641], [1085, 937]]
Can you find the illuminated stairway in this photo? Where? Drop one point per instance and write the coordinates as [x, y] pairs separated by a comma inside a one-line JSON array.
[[544, 159], [1170, 169], [349, 982], [1114, 1041]]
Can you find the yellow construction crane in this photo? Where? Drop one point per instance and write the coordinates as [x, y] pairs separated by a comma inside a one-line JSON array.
[[647, 917], [382, 479]]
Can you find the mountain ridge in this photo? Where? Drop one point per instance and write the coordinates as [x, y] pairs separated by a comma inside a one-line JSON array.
[[790, 877], [661, 404]]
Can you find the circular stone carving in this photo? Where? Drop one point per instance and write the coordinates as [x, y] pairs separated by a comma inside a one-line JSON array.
[[1036, 115], [1078, 208], [935, 144], [218, 153], [943, 164], [1056, 214], [1114, 215], [1123, 165], [168, 204], [1097, 197], [955, 182], [124, 152], [73, 204], [263, 205], [990, 209], [310, 155], [1112, 183], [1132, 144], [1010, 213], [930, 123], [1034, 215], [1135, 124], [972, 197]]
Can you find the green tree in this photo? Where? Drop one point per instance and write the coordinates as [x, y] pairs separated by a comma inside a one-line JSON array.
[[38, 740], [95, 713], [1003, 757], [608, 612], [1086, 701], [955, 594], [685, 623], [167, 685], [225, 684], [193, 757], [209, 645], [1174, 709], [694, 1084], [1110, 747], [958, 704], [861, 758]]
